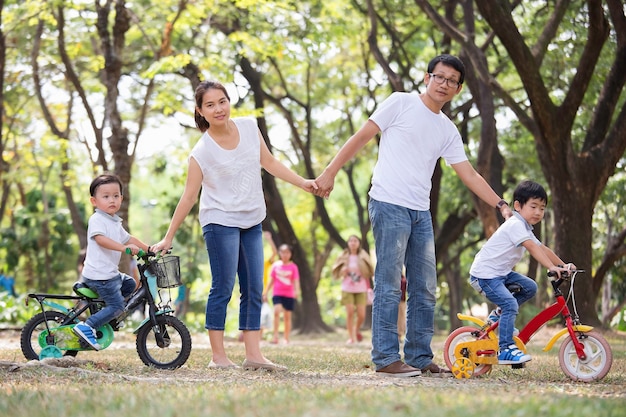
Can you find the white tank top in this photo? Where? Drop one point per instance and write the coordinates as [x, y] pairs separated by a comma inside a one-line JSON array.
[[232, 193]]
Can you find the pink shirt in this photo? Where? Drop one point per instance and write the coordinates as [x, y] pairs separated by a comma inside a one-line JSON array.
[[285, 276], [353, 282]]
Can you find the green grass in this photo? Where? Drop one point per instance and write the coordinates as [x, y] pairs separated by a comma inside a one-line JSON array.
[[325, 378]]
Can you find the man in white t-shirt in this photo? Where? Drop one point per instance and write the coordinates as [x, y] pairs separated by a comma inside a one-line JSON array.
[[492, 269], [415, 134]]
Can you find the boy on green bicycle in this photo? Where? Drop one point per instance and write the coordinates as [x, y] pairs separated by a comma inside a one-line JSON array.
[[107, 239]]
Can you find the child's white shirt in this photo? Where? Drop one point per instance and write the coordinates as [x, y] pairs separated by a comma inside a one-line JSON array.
[[504, 249]]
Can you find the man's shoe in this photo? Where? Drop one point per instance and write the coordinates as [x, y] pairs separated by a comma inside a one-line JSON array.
[[87, 334], [398, 369], [512, 356], [435, 370]]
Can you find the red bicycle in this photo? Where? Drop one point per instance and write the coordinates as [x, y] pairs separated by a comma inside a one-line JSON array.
[[585, 355]]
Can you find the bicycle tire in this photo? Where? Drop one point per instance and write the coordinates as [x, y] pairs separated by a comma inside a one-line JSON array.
[[29, 339], [460, 335], [598, 362], [177, 346]]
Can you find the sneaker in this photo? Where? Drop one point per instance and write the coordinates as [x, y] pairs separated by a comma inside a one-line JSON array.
[[512, 355], [87, 333], [398, 369], [494, 316]]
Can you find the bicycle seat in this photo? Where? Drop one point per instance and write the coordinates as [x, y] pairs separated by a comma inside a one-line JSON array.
[[513, 288], [81, 288]]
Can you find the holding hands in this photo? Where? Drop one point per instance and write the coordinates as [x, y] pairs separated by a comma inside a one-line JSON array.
[[325, 184]]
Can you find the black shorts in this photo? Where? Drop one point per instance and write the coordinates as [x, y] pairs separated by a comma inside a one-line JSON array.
[[288, 303]]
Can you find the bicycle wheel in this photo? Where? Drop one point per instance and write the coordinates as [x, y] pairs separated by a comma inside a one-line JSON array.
[[173, 352], [461, 335], [598, 362], [30, 338]]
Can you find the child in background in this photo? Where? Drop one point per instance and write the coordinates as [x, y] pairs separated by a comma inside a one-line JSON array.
[[107, 239], [402, 310], [285, 283], [492, 269], [266, 309]]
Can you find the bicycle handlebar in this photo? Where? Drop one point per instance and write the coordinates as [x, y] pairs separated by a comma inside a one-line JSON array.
[[144, 254], [566, 274]]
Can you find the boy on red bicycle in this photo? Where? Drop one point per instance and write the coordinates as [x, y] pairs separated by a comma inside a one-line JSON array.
[[492, 269]]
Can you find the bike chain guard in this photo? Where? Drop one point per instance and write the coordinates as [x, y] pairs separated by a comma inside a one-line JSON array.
[[65, 339]]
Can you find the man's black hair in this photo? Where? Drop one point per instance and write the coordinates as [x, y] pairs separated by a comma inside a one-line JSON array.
[[449, 60]]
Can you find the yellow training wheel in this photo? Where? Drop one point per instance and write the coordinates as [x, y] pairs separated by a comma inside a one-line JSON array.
[[463, 368]]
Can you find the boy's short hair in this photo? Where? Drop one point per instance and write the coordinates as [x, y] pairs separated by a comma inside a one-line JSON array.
[[105, 179], [527, 189], [449, 60]]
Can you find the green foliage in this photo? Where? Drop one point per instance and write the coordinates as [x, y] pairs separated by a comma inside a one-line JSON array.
[[14, 312], [320, 82]]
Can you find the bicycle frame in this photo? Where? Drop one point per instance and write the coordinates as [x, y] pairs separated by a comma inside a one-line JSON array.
[[584, 355], [559, 307], [162, 340]]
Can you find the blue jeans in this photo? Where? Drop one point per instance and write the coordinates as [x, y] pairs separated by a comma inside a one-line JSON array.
[[234, 251], [113, 292], [495, 290], [403, 237]]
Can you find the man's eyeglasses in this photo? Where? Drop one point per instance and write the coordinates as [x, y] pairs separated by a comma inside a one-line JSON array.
[[439, 79]]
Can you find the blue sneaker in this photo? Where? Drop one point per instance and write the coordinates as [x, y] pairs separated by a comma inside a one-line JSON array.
[[494, 316], [512, 355], [88, 334]]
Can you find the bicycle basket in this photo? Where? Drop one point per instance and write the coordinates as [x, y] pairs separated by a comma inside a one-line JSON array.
[[167, 271]]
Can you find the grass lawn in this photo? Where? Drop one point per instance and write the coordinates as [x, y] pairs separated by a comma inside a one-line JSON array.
[[326, 378]]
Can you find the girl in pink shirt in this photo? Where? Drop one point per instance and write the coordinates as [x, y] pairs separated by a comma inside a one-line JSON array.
[[285, 282]]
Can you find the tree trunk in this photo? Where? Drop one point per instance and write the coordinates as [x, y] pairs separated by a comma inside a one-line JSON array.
[[307, 316], [576, 174]]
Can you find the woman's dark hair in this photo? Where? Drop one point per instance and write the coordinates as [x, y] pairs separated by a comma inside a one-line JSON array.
[[202, 88], [449, 60], [105, 179], [526, 190]]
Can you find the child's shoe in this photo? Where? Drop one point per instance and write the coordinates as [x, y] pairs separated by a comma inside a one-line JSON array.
[[88, 334], [512, 355], [494, 316]]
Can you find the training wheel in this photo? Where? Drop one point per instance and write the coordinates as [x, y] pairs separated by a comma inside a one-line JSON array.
[[50, 351], [463, 368]]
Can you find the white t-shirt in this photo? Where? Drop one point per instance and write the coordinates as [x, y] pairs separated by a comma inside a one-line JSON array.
[[102, 264], [504, 249], [413, 139], [232, 193]]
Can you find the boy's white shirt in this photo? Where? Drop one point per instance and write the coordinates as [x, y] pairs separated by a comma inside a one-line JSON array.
[[102, 264], [504, 249]]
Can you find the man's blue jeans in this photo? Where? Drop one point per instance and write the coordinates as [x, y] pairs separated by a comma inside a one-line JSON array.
[[495, 290], [403, 237], [234, 251]]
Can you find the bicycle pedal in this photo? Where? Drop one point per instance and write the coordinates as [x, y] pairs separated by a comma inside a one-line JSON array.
[[518, 366]]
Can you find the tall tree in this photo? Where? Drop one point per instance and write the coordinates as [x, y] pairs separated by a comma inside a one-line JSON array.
[[578, 154]]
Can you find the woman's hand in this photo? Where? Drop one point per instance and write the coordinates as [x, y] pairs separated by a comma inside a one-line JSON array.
[[163, 246]]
